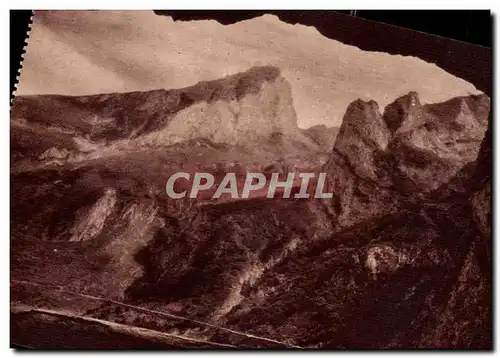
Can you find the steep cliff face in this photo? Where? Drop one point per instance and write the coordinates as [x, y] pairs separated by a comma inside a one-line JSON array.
[[239, 119], [252, 109], [407, 152], [354, 172], [362, 136]]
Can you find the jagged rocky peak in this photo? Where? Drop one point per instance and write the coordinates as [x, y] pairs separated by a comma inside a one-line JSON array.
[[407, 113], [380, 161], [362, 135], [403, 112], [449, 132], [431, 143], [363, 122], [455, 109]]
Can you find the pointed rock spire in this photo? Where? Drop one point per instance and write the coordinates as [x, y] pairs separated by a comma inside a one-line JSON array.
[[362, 135], [403, 113]]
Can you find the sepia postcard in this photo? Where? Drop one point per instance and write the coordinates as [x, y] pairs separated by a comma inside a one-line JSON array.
[[187, 180]]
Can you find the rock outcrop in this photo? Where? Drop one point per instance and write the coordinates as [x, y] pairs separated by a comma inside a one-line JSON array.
[[381, 162]]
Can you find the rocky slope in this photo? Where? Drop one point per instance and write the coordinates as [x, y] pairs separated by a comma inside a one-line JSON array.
[[414, 279], [399, 258], [417, 278]]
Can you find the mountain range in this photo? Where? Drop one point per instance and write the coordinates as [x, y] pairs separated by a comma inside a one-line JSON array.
[[399, 258]]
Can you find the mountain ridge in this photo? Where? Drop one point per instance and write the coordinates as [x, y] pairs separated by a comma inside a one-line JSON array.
[[252, 109], [347, 272]]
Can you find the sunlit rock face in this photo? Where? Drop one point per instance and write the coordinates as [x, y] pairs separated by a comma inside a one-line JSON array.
[[252, 110], [92, 222], [241, 110]]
